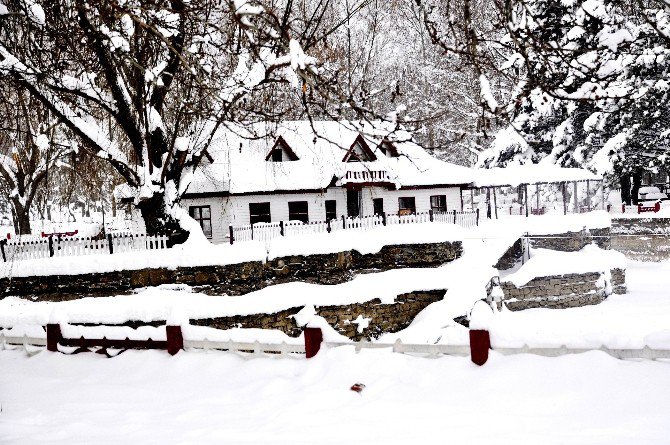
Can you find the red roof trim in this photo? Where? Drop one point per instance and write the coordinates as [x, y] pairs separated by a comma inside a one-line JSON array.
[[284, 146], [364, 145]]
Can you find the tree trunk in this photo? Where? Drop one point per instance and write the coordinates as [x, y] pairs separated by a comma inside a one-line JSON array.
[[637, 182], [624, 180], [21, 218], [159, 222]]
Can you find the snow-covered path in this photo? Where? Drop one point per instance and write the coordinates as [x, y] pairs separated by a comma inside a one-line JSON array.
[[216, 397]]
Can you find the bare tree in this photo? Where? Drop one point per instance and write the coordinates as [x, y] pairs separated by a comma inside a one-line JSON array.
[[162, 75], [30, 145]]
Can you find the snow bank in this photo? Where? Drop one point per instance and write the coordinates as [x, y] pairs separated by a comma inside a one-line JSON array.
[[221, 397], [191, 255], [544, 263]]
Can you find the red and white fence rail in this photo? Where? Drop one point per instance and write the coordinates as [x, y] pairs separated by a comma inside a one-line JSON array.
[[57, 246], [173, 341], [267, 231]]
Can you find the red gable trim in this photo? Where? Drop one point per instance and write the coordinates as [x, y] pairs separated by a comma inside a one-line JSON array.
[[284, 146], [364, 145]]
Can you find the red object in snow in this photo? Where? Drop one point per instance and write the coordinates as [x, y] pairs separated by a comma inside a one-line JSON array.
[[480, 343], [655, 208], [313, 339], [47, 235], [358, 387]]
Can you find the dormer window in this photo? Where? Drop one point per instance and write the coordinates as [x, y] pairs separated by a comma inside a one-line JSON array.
[[281, 152], [359, 152], [388, 149]]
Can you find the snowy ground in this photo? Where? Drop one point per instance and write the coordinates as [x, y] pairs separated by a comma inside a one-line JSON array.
[[217, 397]]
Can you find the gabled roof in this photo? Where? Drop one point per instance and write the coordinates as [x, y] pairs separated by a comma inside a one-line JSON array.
[[281, 143], [352, 156], [240, 154]]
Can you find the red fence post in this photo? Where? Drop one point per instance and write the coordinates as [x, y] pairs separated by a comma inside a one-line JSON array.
[[480, 343], [54, 336], [175, 339], [313, 339]]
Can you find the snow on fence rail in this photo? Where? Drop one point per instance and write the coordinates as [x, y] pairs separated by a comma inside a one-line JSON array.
[[267, 231], [478, 348], [56, 246]]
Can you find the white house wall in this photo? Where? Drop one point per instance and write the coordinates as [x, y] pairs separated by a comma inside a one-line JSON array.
[[421, 196], [219, 223], [234, 210]]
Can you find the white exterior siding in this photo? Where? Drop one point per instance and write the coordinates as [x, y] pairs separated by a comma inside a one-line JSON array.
[[234, 210], [237, 207], [421, 196], [219, 224]]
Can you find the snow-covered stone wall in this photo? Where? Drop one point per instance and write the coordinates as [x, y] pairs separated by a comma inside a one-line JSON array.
[[563, 291], [642, 239], [368, 320], [240, 278]]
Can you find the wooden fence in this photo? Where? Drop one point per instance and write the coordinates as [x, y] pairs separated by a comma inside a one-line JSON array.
[[478, 347], [267, 231], [56, 246]]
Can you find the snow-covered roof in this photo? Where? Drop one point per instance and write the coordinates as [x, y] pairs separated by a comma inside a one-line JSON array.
[[239, 162], [514, 175]]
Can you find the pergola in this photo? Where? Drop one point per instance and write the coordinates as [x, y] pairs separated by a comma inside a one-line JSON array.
[[534, 190]]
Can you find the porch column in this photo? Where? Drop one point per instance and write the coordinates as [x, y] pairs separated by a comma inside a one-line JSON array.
[[565, 197], [525, 197], [576, 200], [588, 194]]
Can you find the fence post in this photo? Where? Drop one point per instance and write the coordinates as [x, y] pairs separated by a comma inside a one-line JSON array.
[[383, 218], [430, 215], [2, 249], [328, 229], [344, 224], [480, 343], [477, 221], [54, 336], [109, 243], [313, 339], [175, 339], [51, 246], [454, 216], [252, 231], [232, 238], [281, 228]]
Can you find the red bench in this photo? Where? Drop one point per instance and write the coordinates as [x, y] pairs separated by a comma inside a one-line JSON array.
[[642, 208], [59, 234]]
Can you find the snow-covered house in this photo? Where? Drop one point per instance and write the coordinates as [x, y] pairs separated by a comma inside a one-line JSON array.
[[316, 172]]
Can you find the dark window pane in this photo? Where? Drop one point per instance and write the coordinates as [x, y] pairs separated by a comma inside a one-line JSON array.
[[259, 212], [297, 210], [378, 206], [406, 205], [331, 209], [202, 214], [438, 203], [277, 155]]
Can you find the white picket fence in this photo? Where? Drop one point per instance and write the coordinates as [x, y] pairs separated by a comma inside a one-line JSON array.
[[265, 232], [427, 350], [34, 248]]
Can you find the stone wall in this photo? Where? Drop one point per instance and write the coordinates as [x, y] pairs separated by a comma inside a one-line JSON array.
[[236, 279], [642, 239], [572, 241], [562, 291], [383, 317]]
